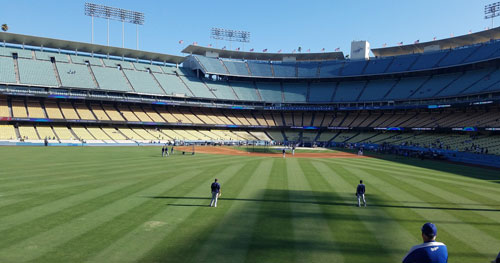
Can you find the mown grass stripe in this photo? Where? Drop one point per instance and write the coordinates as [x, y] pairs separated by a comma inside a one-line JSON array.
[[312, 234], [186, 194], [461, 232], [272, 237], [109, 217], [379, 193], [390, 244], [238, 220]]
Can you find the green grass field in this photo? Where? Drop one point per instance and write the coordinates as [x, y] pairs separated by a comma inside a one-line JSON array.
[[127, 204]]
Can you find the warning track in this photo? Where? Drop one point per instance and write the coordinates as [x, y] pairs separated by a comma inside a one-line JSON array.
[[231, 151]]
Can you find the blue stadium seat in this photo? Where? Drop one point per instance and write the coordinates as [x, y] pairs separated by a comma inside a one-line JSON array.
[[295, 92], [402, 63], [270, 91], [457, 56], [222, 90], [376, 90], [490, 82], [260, 69], [428, 60], [464, 82], [321, 92], [378, 65], [330, 69], [484, 52], [434, 85], [353, 67], [307, 69], [245, 90], [238, 68], [348, 91], [212, 65], [172, 84], [405, 87], [284, 70]]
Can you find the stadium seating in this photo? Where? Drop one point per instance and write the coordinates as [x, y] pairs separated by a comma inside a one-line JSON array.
[[212, 65], [84, 112], [68, 111], [270, 91], [428, 60], [348, 91], [354, 68], [464, 82], [35, 110], [53, 111], [128, 114], [99, 134], [198, 87], [377, 89], [143, 82], [377, 66], [64, 134], [457, 56], [260, 69], [402, 63], [21, 53], [147, 67], [295, 92], [435, 84], [75, 76], [28, 132], [237, 68], [330, 69], [172, 85], [221, 90], [4, 108], [321, 92], [117, 63], [487, 83], [276, 136], [111, 79], [37, 72], [7, 132], [46, 132], [405, 87], [307, 69], [49, 55], [7, 73], [284, 70], [86, 60], [485, 51], [19, 109], [245, 91]]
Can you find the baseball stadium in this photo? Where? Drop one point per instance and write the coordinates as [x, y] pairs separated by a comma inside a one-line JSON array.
[[107, 153]]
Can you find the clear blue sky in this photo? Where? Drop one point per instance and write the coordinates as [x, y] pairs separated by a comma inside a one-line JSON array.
[[274, 24]]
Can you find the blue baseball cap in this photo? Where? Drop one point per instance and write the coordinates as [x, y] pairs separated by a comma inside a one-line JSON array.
[[429, 229]]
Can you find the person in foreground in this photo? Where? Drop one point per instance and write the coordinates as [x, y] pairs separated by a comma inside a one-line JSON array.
[[430, 251], [215, 187]]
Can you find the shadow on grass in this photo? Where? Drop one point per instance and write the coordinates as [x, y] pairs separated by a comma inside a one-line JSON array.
[[272, 236], [323, 198], [490, 174]]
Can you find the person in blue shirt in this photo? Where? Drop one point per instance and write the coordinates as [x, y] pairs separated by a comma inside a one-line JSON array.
[[430, 251], [215, 187], [360, 193]]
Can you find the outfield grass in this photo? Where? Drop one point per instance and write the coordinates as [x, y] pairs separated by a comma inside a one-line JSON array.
[[127, 204]]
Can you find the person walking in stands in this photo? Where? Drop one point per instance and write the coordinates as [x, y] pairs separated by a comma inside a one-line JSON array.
[[360, 193], [284, 152], [430, 251], [215, 187]]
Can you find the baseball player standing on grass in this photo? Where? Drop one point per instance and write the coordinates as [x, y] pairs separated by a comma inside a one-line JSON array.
[[360, 193], [216, 192]]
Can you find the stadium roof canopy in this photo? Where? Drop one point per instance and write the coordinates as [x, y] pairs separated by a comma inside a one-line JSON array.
[[453, 42], [223, 53], [87, 47]]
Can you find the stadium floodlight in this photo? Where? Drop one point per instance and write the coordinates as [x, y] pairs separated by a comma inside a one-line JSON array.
[[118, 14], [492, 11], [230, 35]]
